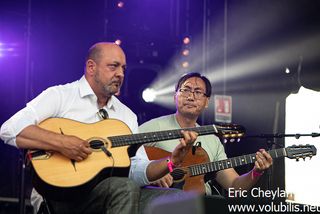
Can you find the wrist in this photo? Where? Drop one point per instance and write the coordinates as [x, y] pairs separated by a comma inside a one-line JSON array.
[[170, 164], [256, 174]]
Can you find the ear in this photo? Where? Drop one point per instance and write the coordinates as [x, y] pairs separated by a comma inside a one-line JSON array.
[[90, 66], [207, 102]]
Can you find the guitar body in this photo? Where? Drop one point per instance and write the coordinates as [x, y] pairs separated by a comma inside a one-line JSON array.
[[56, 173], [196, 183]]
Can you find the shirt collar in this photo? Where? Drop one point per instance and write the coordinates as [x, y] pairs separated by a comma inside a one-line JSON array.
[[86, 90], [176, 122]]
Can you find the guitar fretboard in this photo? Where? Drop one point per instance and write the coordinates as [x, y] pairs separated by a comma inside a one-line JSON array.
[[149, 137], [204, 168]]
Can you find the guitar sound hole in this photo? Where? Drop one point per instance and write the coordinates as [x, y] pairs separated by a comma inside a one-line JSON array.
[[177, 174], [96, 144]]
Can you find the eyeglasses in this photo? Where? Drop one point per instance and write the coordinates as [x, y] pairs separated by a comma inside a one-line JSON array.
[[186, 92]]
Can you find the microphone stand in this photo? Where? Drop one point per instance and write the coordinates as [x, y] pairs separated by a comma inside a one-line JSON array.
[[271, 144], [22, 188]]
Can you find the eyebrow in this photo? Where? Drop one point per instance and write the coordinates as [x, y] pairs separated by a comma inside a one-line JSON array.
[[118, 63], [196, 88]]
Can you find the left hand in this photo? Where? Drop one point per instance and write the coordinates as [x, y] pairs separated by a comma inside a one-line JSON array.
[[263, 161], [189, 137]]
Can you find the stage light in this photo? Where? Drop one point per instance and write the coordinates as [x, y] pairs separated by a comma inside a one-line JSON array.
[[120, 4], [266, 57], [118, 42], [185, 52], [8, 50], [149, 95], [185, 64], [186, 40], [287, 71]]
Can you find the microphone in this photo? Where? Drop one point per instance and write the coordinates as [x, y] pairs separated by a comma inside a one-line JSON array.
[[103, 114]]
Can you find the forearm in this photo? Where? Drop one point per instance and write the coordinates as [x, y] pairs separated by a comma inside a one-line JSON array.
[[34, 137], [157, 169], [246, 181]]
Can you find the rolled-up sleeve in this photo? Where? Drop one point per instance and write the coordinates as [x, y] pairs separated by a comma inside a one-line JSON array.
[[138, 169], [12, 127], [43, 106]]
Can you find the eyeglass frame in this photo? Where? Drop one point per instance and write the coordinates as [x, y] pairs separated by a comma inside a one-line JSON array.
[[198, 95]]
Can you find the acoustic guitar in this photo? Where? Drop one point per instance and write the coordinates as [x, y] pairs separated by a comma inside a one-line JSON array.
[[193, 174], [59, 178]]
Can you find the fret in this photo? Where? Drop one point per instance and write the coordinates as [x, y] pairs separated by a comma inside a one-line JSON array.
[[232, 162], [250, 158], [253, 159], [204, 168], [225, 164], [220, 165], [242, 160], [235, 160], [201, 169], [197, 170], [191, 169], [215, 167]]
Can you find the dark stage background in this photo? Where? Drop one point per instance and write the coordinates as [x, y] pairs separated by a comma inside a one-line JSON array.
[[243, 46]]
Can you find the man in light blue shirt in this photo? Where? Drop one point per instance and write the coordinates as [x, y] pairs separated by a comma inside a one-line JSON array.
[[83, 101], [191, 97]]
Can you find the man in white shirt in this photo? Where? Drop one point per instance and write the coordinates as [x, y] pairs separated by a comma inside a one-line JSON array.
[[81, 101]]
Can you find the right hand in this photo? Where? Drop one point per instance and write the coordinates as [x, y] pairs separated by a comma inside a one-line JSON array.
[[74, 148], [166, 181]]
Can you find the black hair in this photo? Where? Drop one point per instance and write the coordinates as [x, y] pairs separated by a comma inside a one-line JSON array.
[[195, 74]]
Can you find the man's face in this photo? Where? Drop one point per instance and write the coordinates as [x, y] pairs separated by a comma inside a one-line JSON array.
[[109, 71], [188, 103]]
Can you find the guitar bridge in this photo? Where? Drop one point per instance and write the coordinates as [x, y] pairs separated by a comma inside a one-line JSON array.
[[39, 155]]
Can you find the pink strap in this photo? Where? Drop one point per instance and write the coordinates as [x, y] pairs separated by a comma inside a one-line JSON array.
[[170, 165], [256, 174]]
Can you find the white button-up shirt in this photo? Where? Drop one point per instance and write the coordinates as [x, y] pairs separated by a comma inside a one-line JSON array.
[[75, 101]]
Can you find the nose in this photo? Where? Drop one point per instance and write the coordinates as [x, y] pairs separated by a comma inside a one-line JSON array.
[[120, 72], [191, 96]]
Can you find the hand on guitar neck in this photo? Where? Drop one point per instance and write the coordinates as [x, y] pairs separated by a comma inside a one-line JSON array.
[[183, 148]]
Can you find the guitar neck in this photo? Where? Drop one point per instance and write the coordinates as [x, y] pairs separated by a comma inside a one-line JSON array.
[[149, 137], [204, 168]]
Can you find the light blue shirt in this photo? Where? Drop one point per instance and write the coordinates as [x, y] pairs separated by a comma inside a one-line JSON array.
[[210, 143]]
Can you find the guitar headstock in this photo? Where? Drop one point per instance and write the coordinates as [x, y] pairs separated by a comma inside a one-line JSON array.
[[230, 132], [301, 151]]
